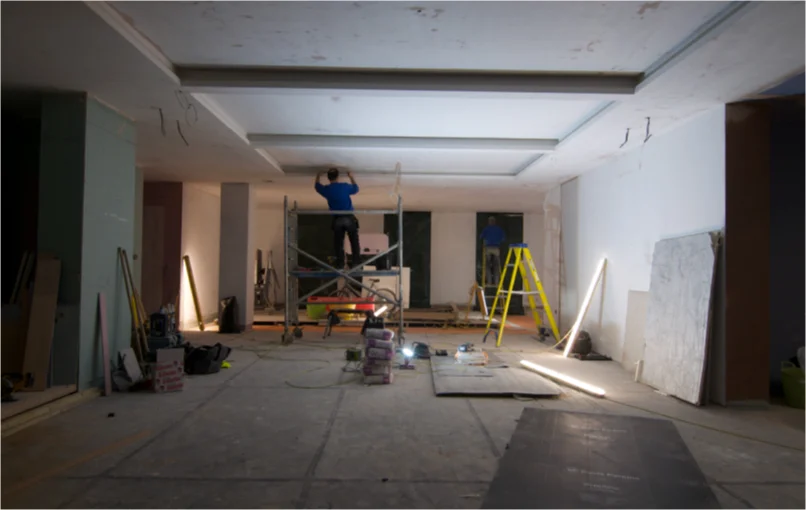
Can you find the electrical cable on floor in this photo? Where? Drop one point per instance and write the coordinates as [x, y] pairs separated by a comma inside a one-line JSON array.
[[274, 347], [300, 387]]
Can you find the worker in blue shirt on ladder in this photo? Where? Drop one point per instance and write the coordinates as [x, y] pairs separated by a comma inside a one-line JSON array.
[[492, 236], [338, 198]]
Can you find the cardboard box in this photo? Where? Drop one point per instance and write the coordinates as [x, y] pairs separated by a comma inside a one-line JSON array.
[[169, 371]]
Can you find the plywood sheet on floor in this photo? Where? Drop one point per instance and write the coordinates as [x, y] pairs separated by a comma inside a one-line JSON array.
[[560, 459], [33, 399], [498, 378]]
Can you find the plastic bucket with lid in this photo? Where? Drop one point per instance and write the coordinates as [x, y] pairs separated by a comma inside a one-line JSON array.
[[792, 378]]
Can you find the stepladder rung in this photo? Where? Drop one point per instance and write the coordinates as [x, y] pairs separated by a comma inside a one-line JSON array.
[[524, 266]]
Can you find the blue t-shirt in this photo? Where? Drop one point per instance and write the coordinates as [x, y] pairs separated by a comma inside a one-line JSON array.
[[338, 195], [493, 235]]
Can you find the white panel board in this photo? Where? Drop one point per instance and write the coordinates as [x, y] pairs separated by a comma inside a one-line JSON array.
[[678, 313], [634, 327]]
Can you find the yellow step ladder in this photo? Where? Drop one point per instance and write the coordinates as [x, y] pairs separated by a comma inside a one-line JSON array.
[[520, 255]]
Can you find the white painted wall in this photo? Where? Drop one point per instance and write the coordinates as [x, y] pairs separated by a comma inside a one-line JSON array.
[[551, 256], [201, 222], [236, 275], [453, 256], [533, 235], [453, 253], [671, 186], [569, 284], [370, 223]]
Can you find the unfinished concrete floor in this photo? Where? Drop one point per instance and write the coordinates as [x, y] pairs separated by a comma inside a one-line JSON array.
[[285, 427]]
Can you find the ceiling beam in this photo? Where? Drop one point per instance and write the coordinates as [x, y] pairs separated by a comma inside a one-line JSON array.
[[368, 172], [389, 142], [221, 78]]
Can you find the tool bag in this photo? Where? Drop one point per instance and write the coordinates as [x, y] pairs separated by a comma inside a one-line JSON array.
[[228, 316], [583, 345], [205, 359]]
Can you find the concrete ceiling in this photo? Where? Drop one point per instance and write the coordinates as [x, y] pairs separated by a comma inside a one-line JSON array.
[[545, 90], [505, 36]]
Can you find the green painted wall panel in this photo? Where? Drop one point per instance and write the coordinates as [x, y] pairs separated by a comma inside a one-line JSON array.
[[109, 223], [59, 226], [61, 170]]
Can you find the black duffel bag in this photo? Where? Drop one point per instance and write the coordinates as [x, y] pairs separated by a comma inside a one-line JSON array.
[[205, 359]]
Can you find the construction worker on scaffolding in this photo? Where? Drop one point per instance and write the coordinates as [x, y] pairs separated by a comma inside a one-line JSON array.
[[338, 198]]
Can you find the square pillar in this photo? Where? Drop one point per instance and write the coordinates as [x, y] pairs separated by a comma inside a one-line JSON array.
[[236, 276], [87, 189]]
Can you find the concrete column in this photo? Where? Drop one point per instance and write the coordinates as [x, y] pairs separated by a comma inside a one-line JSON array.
[[87, 189], [236, 275]]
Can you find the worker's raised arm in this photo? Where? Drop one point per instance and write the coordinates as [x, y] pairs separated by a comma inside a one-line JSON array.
[[318, 185], [352, 181]]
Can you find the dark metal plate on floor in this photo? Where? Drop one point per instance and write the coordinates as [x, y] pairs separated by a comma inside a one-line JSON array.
[[559, 459]]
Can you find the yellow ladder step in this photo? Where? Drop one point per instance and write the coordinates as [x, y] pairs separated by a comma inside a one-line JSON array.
[[524, 265]]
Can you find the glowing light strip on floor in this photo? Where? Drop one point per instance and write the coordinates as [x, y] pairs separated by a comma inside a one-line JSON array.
[[565, 379]]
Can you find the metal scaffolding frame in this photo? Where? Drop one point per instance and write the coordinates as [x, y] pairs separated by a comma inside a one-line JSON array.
[[332, 274]]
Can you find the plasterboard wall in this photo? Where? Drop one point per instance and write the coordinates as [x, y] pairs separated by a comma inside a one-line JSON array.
[[268, 235], [672, 185], [533, 235], [108, 223], [201, 230], [370, 223], [453, 256], [569, 284], [551, 255]]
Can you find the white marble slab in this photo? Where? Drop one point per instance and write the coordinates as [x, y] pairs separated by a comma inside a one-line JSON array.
[[678, 313]]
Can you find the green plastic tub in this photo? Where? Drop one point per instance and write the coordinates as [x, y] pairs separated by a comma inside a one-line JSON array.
[[793, 381]]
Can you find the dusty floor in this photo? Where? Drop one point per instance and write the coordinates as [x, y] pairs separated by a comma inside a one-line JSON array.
[[285, 427]]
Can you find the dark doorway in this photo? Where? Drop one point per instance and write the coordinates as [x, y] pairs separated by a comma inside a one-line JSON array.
[[316, 238], [416, 253], [512, 224]]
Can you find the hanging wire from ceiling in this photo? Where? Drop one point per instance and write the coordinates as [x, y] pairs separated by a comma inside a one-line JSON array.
[[187, 107], [647, 135], [179, 129], [162, 122], [626, 139]]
